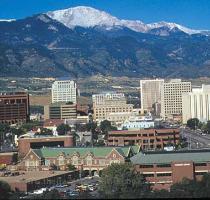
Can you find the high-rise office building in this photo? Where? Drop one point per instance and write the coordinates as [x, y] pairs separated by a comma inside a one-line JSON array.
[[64, 90], [106, 103], [150, 91], [14, 107], [171, 97], [196, 104]]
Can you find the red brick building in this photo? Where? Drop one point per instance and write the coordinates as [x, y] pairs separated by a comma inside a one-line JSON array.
[[162, 169], [39, 141], [6, 158], [90, 160], [146, 138], [14, 107]]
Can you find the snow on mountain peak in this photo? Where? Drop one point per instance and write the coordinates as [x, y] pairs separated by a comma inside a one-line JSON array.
[[7, 20], [89, 17], [83, 16], [171, 26]]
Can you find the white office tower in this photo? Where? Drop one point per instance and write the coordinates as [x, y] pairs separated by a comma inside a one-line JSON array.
[[64, 90], [150, 91], [171, 97], [196, 104]]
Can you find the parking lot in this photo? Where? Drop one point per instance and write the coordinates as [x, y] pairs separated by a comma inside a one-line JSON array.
[[74, 189]]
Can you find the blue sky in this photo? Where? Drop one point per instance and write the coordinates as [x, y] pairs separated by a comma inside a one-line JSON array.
[[191, 13]]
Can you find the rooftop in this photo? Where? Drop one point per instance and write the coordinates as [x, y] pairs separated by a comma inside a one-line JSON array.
[[62, 103], [26, 177], [150, 130], [96, 151], [164, 157]]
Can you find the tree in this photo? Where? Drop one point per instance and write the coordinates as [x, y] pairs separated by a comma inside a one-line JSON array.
[[14, 158], [206, 127], [53, 194], [193, 123], [62, 129], [45, 131], [5, 190], [17, 131], [71, 167], [121, 181], [106, 126]]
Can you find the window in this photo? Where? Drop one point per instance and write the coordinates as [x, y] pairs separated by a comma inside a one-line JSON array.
[[200, 173], [60, 160], [75, 160], [200, 164], [164, 165], [89, 160], [146, 166], [163, 174], [47, 162], [102, 162], [148, 175]]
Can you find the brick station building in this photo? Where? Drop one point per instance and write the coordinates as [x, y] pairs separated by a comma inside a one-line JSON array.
[[90, 160], [146, 138], [164, 168]]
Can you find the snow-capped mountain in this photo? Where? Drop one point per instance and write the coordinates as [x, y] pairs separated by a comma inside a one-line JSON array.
[[90, 17], [84, 17], [7, 20]]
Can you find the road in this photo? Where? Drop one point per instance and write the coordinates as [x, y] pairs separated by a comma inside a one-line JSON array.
[[195, 139]]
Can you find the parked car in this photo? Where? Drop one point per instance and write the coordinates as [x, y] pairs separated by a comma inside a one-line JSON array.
[[73, 193]]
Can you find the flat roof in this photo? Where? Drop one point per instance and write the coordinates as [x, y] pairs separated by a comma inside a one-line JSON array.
[[26, 176], [150, 130], [164, 157]]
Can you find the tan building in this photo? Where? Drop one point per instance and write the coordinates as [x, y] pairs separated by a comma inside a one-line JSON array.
[[104, 104], [119, 117], [171, 97], [196, 104], [150, 91], [60, 110]]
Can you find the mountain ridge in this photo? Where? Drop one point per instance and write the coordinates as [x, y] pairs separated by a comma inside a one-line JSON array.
[[89, 17], [41, 46]]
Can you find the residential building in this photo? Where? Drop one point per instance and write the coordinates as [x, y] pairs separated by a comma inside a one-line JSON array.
[[60, 110], [171, 97], [150, 92], [106, 103], [14, 107], [64, 90], [89, 159], [165, 168], [196, 104], [145, 138], [26, 142]]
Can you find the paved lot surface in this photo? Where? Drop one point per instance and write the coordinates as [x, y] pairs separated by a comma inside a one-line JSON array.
[[93, 181]]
